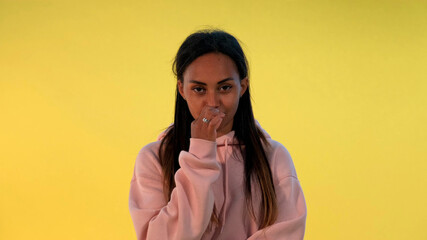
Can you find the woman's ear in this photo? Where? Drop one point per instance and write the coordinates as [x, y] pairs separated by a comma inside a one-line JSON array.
[[244, 83], [181, 88]]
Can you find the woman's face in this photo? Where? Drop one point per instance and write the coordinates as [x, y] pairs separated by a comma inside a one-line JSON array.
[[213, 80]]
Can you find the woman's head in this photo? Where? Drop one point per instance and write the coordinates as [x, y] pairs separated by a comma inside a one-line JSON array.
[[211, 70]]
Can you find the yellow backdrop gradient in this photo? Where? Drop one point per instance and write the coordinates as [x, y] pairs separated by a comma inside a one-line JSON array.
[[84, 85]]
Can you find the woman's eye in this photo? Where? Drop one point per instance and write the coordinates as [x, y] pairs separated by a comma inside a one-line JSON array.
[[225, 88], [198, 89]]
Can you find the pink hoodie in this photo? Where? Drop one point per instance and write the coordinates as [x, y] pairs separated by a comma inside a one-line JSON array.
[[211, 174]]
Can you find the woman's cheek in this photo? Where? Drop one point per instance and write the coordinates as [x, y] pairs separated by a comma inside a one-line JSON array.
[[195, 110]]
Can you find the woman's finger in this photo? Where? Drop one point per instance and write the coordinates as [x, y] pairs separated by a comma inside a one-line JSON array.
[[207, 123], [216, 122], [208, 113]]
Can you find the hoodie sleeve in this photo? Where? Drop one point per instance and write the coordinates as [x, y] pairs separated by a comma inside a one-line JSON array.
[[292, 209], [187, 214]]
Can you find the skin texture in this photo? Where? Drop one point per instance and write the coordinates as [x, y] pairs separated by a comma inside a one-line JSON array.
[[212, 88]]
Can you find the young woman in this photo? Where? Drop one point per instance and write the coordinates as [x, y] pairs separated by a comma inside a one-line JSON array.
[[215, 173]]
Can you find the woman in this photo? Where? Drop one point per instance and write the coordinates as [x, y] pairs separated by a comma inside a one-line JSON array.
[[215, 173]]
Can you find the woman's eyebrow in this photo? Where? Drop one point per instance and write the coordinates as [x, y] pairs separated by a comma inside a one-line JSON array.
[[202, 83]]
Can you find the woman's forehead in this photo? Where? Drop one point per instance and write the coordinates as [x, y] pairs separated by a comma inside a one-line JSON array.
[[211, 67]]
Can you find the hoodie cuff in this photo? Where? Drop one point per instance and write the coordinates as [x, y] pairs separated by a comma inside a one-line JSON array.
[[202, 149]]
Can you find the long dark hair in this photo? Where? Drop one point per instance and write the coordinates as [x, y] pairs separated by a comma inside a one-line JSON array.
[[178, 135]]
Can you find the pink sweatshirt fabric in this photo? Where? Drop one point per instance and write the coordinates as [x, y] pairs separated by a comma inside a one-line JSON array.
[[213, 173]]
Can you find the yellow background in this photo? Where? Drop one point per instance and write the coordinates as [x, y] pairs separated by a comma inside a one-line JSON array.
[[84, 85]]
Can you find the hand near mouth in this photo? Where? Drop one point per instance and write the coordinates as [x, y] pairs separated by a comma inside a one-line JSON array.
[[207, 124]]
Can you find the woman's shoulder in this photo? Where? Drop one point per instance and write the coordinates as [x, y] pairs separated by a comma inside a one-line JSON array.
[[280, 159], [151, 148], [147, 160]]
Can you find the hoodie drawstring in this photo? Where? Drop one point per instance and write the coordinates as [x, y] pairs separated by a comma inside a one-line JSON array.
[[225, 184]]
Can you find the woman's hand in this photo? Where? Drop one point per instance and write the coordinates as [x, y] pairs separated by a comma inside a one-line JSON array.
[[207, 130]]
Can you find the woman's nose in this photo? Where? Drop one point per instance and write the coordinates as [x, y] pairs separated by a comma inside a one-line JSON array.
[[212, 99]]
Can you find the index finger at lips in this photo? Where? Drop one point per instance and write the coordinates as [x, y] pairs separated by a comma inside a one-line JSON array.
[[201, 114], [213, 112], [206, 113]]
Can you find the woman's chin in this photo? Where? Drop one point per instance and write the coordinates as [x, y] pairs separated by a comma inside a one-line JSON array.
[[222, 130]]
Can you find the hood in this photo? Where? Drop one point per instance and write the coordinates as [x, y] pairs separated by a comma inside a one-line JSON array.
[[227, 138]]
